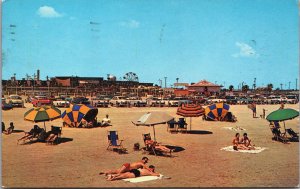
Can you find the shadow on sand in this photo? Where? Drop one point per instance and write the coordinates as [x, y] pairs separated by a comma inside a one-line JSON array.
[[18, 131], [199, 132], [175, 148]]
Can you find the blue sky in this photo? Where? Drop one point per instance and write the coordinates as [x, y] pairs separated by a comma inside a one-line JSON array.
[[222, 41]]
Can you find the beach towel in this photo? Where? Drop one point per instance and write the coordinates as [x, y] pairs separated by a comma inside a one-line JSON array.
[[143, 178], [256, 151], [235, 128]]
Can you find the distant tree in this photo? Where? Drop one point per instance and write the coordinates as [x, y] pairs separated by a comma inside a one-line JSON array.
[[231, 87], [270, 87], [245, 88]]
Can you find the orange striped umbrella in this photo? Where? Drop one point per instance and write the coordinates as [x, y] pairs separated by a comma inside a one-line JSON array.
[[190, 110]]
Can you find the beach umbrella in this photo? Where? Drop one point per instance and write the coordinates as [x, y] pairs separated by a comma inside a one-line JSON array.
[[190, 110], [42, 114], [152, 119], [77, 112], [282, 115], [217, 112]]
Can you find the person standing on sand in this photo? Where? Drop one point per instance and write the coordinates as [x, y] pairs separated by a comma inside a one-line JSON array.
[[254, 109], [128, 166]]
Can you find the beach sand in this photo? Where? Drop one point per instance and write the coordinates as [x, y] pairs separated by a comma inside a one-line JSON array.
[[82, 154]]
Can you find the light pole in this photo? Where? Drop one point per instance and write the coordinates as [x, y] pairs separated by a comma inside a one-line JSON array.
[[165, 82]]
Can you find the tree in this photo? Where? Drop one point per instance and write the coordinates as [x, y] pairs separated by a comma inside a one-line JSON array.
[[245, 88], [270, 87], [231, 87]]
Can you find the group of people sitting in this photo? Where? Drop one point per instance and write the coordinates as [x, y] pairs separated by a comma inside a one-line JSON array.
[[242, 144], [41, 135], [9, 130], [131, 170]]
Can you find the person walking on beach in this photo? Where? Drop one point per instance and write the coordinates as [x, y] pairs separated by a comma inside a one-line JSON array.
[[254, 109], [134, 173], [128, 166]]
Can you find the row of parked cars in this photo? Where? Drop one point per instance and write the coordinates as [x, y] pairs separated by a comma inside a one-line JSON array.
[[150, 101], [272, 99]]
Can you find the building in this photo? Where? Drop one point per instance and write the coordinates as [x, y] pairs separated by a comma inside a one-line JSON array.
[[204, 86]]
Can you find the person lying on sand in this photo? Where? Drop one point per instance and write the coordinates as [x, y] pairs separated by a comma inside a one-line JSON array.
[[236, 143], [134, 173], [129, 166], [156, 145], [32, 133], [246, 141]]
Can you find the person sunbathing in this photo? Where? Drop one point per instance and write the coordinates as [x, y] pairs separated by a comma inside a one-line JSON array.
[[156, 145], [237, 145], [246, 141], [134, 173], [53, 134], [128, 166], [32, 133]]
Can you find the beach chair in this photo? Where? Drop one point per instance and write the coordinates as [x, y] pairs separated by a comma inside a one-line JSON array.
[[182, 125], [57, 131], [278, 135], [151, 149], [172, 126], [293, 134], [114, 143]]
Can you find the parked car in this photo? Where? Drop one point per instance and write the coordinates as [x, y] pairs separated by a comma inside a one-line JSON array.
[[80, 100], [40, 100], [119, 101], [61, 102], [6, 106], [244, 100], [15, 101], [155, 102], [272, 99], [101, 101], [214, 99], [230, 100], [292, 99], [137, 101]]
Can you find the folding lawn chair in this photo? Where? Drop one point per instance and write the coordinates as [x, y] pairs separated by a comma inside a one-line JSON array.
[[114, 143]]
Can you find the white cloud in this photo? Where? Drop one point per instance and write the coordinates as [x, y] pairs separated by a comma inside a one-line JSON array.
[[130, 24], [245, 50], [48, 12]]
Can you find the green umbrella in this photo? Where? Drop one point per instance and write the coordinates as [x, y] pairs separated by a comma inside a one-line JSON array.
[[282, 115]]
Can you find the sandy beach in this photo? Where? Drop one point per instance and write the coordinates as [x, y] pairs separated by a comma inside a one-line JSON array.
[[82, 154]]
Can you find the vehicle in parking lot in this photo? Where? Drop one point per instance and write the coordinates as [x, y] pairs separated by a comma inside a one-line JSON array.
[[155, 102], [101, 101], [292, 99], [15, 101], [80, 100], [244, 100], [272, 99], [230, 100], [119, 101], [40, 100], [214, 99], [61, 102], [136, 101]]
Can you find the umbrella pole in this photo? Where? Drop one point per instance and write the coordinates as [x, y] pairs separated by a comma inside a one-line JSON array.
[[154, 132], [44, 125], [190, 123]]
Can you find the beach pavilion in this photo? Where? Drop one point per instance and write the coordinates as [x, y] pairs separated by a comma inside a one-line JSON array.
[[204, 86]]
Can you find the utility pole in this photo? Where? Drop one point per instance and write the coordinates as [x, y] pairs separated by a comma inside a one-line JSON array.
[[289, 85], [281, 86], [254, 83], [296, 83], [165, 82]]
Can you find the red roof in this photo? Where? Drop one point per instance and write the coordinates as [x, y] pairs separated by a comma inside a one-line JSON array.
[[204, 83]]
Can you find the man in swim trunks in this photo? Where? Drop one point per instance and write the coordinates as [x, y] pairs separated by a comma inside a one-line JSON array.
[[129, 166], [134, 173]]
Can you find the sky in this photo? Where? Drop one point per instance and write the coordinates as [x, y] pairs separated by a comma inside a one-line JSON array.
[[226, 42]]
